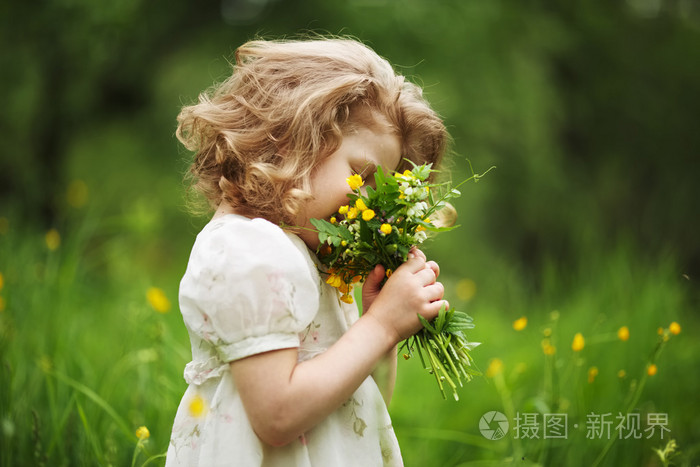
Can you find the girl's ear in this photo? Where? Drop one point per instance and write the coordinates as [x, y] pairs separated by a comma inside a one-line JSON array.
[[445, 217]]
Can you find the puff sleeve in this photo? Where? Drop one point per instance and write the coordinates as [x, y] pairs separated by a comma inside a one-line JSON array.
[[248, 289]]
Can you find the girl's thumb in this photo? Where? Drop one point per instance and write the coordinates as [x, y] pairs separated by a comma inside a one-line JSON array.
[[374, 279]]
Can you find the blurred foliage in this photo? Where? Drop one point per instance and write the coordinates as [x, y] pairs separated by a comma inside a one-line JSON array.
[[588, 110]]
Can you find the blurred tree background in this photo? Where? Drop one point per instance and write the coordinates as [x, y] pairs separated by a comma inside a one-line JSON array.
[[588, 110]]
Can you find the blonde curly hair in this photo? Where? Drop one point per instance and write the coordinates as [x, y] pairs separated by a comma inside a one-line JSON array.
[[258, 135]]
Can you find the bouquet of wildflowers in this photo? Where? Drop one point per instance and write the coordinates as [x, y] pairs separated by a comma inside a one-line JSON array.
[[380, 226]]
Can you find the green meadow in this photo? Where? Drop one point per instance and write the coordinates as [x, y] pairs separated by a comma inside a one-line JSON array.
[[577, 256]]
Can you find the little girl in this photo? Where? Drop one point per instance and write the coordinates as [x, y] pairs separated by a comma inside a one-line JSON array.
[[282, 370]]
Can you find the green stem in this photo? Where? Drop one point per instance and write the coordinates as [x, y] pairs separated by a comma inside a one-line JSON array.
[[635, 398]]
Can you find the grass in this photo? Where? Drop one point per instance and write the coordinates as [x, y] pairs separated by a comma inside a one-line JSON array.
[[86, 359]]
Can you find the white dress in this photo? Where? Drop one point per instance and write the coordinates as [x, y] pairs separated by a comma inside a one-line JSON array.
[[249, 288]]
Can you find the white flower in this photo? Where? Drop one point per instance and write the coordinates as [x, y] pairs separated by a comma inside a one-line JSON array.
[[420, 237]]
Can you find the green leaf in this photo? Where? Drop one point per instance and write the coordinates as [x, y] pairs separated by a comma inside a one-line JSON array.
[[427, 325]]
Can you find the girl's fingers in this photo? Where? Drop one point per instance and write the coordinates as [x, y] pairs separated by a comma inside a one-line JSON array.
[[434, 266], [434, 308], [435, 292], [416, 252], [414, 263], [426, 276]]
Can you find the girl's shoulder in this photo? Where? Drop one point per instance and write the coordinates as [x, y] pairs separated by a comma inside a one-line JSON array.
[[233, 236]]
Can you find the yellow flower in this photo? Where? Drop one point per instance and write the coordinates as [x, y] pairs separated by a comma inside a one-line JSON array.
[[333, 220], [156, 297], [592, 373], [334, 281], [621, 374], [495, 367], [385, 229], [343, 209], [466, 289], [652, 369], [520, 323], [660, 331], [345, 288], [197, 406], [674, 328], [53, 239], [367, 214], [347, 298], [623, 333], [420, 228], [352, 213], [578, 343], [388, 273], [359, 204], [142, 433], [355, 181], [548, 349]]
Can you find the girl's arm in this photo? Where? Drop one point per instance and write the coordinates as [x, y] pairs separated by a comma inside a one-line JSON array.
[[284, 398], [385, 372]]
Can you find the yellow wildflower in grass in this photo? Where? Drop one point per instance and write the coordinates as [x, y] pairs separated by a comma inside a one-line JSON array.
[[674, 328], [77, 193], [142, 433], [333, 220], [367, 214], [355, 181], [621, 374], [578, 343], [592, 373], [197, 406], [652, 369], [466, 289], [495, 367], [660, 331], [347, 298], [520, 323], [359, 204], [420, 228], [343, 209], [547, 332], [547, 347], [157, 299], [352, 213], [623, 333], [385, 229], [52, 239]]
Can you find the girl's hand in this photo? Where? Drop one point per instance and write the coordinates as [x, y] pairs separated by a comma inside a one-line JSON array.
[[411, 290], [373, 282]]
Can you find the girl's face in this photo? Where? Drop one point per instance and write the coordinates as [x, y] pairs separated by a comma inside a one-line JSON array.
[[362, 149]]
